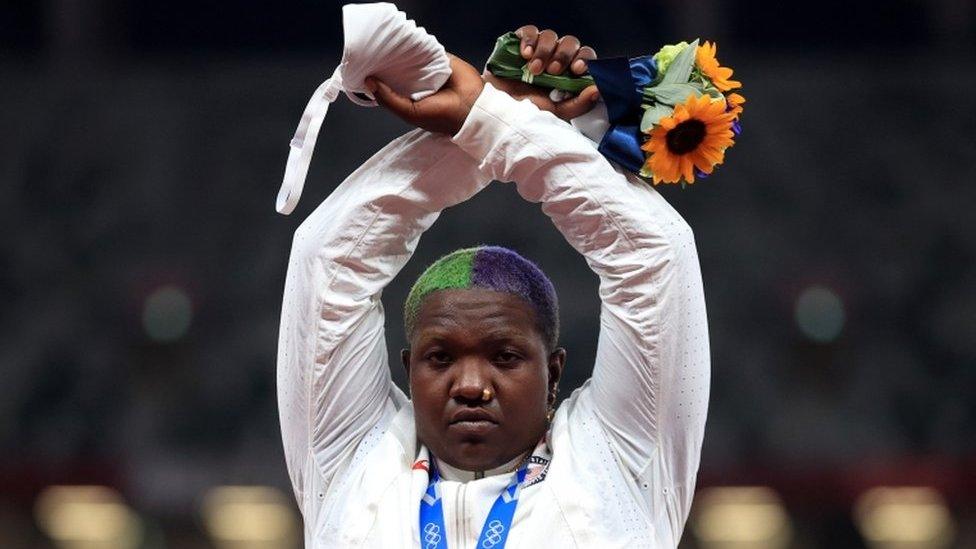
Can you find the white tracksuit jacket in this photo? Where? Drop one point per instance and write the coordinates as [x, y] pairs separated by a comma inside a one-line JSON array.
[[624, 447]]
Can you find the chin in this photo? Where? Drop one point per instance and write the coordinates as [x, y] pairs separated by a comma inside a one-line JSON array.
[[474, 456], [474, 448], [480, 456]]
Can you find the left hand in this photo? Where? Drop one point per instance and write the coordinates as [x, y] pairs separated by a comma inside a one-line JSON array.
[[442, 112], [446, 110]]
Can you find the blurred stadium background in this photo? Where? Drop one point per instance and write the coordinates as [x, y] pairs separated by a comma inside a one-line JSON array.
[[142, 262]]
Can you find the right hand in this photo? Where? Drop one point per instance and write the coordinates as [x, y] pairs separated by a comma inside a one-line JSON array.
[[446, 110], [546, 51]]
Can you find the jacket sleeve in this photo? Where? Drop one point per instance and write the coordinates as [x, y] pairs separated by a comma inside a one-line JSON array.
[[650, 383], [334, 382]]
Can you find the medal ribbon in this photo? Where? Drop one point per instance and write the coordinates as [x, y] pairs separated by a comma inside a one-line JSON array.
[[494, 533]]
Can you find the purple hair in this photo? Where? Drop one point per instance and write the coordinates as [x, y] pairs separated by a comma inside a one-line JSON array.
[[493, 268]]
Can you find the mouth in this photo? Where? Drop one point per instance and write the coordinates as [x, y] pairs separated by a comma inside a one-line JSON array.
[[473, 423], [471, 417], [472, 428]]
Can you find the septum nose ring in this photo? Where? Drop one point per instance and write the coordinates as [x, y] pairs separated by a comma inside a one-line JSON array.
[[487, 395]]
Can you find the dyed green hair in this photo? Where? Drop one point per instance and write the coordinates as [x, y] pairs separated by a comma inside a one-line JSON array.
[[493, 268]]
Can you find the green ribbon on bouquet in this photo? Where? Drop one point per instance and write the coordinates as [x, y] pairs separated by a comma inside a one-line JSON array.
[[506, 61]]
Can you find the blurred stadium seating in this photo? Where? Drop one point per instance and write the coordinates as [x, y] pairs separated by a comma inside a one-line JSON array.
[[142, 262]]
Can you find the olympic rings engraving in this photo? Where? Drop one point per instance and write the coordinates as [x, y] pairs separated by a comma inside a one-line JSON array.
[[432, 535], [493, 534]]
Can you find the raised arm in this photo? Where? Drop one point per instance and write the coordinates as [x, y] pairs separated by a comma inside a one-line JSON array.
[[334, 383], [650, 383]]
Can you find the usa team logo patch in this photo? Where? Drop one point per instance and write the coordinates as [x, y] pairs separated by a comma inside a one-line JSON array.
[[536, 470]]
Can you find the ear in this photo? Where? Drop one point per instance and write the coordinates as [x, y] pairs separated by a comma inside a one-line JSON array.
[[557, 361], [405, 358]]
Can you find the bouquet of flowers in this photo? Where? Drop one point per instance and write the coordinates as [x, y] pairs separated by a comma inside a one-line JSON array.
[[670, 116]]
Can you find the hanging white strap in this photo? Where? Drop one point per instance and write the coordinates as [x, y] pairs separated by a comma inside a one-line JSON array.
[[302, 145]]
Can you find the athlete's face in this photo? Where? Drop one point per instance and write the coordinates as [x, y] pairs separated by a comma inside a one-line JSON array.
[[466, 341]]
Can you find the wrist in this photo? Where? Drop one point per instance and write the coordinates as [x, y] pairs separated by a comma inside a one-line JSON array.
[[466, 103]]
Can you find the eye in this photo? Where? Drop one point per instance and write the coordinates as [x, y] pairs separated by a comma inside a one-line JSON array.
[[508, 358], [439, 358]]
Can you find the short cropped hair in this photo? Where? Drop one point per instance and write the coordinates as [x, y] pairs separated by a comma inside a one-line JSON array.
[[493, 268]]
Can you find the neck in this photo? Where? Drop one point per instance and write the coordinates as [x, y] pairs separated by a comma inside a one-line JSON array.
[[449, 472]]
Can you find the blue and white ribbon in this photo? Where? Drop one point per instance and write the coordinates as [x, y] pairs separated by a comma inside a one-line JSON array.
[[494, 533]]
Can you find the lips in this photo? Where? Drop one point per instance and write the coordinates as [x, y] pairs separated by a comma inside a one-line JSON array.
[[473, 415]]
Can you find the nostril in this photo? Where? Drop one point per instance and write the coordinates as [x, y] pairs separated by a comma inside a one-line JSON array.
[[466, 400], [469, 390]]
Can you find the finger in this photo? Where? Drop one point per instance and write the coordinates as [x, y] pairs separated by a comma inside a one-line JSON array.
[[544, 47], [577, 106], [584, 54], [529, 34], [399, 105], [565, 50]]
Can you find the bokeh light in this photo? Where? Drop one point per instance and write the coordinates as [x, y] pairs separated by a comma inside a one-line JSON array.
[[740, 517], [87, 517], [249, 517], [904, 518], [820, 314], [167, 314]]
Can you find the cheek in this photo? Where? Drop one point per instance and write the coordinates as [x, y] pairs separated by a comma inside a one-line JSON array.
[[426, 389], [529, 391]]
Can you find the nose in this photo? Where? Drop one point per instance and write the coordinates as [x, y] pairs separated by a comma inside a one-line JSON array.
[[473, 377]]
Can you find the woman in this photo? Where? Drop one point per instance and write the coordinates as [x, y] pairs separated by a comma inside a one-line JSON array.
[[479, 457]]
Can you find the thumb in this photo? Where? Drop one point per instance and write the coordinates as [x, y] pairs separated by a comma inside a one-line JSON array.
[[579, 105], [390, 99]]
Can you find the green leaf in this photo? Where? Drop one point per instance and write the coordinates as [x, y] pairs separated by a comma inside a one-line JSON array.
[[714, 92], [680, 68], [653, 115], [672, 94], [506, 62]]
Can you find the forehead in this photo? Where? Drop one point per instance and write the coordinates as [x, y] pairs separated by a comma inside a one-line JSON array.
[[476, 310]]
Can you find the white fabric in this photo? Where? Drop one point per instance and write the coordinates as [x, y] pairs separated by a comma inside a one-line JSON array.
[[379, 41], [624, 447], [593, 123]]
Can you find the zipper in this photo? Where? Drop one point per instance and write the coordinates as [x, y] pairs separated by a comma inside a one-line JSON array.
[[459, 519]]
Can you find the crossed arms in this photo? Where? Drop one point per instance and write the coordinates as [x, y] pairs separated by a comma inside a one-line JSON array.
[[650, 380]]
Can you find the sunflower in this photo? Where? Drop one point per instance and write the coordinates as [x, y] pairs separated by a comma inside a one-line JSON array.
[[694, 136], [735, 102], [708, 65]]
